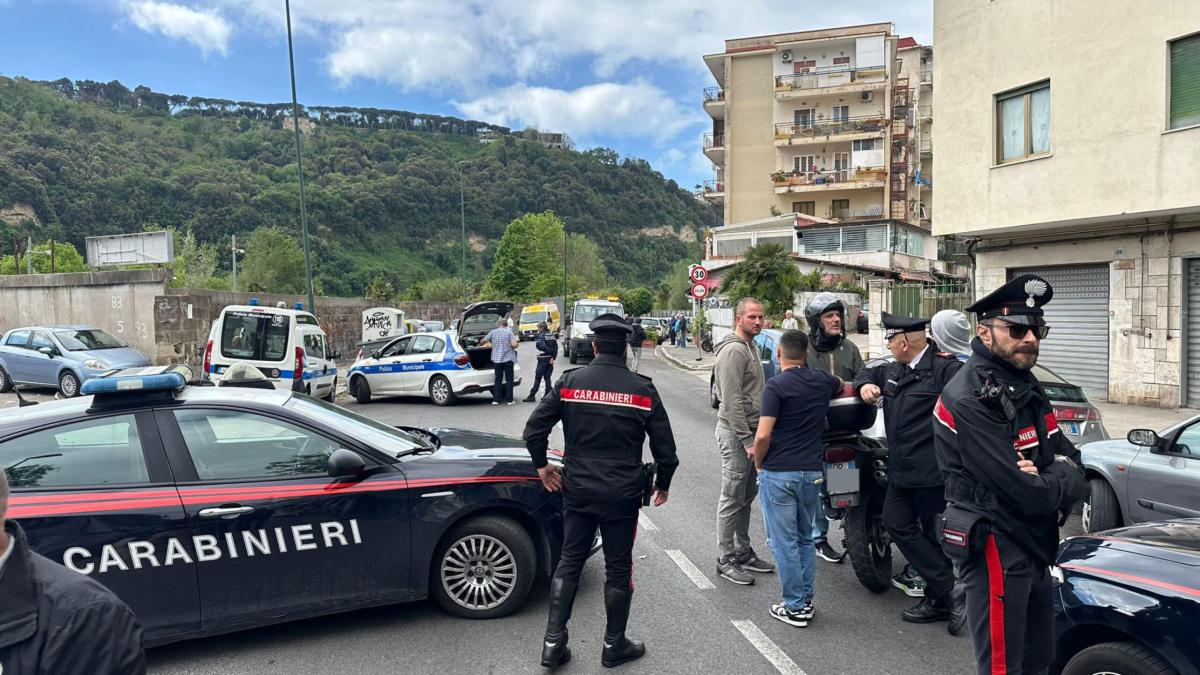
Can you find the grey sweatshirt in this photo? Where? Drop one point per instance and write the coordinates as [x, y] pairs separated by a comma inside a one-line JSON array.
[[739, 379]]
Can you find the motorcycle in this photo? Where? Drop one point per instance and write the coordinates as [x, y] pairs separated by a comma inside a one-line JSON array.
[[856, 484]]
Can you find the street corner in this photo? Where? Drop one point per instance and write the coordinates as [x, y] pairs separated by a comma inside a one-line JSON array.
[[687, 358]]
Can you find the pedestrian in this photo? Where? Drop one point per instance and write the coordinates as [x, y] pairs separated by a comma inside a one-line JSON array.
[[547, 348], [951, 332], [830, 351], [54, 621], [916, 496], [606, 413], [636, 338], [672, 329], [790, 458], [789, 321], [1011, 479], [504, 358], [683, 327], [738, 378]]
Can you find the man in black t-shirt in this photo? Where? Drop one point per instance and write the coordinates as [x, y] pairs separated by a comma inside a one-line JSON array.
[[789, 456]]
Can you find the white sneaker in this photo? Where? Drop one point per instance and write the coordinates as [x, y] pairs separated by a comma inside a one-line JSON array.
[[495, 403]]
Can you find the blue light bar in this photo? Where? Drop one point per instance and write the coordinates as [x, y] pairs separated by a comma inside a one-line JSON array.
[[253, 302], [298, 306], [166, 378]]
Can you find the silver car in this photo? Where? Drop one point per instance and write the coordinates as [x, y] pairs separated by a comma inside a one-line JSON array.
[[63, 357], [1146, 476]]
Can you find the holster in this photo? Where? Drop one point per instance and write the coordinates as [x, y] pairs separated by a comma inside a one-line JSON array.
[[961, 532], [649, 469]]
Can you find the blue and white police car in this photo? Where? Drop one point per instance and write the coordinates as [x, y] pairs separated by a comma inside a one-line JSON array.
[[442, 365], [210, 509]]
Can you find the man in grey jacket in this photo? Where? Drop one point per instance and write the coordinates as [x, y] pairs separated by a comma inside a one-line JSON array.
[[739, 379]]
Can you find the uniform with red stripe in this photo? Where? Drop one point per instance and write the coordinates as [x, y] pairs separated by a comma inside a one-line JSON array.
[[1008, 588]]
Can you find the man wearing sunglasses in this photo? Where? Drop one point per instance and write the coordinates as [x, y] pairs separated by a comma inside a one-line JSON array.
[[1012, 479]]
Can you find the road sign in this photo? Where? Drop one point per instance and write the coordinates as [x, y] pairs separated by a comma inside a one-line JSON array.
[[697, 273], [698, 291]]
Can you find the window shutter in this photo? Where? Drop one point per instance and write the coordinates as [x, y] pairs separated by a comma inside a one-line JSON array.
[[1185, 82]]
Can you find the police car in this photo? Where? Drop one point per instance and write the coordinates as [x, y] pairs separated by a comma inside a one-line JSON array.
[[211, 509], [442, 365]]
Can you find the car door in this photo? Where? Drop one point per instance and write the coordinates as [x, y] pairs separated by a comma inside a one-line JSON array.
[[318, 370], [1165, 484], [424, 357], [43, 368], [275, 536], [389, 378], [97, 496], [16, 355]]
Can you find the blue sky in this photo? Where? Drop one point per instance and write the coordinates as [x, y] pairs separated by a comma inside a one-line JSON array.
[[625, 74]]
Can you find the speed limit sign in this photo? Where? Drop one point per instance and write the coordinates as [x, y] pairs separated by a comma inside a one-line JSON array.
[[699, 290], [698, 273]]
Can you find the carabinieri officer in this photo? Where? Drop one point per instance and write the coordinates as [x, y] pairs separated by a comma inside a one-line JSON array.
[[909, 387], [1012, 479], [607, 412]]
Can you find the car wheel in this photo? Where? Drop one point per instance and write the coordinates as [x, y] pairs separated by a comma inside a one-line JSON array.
[[362, 390], [574, 356], [6, 384], [1125, 658], [440, 391], [332, 392], [483, 568], [68, 384], [1101, 511]]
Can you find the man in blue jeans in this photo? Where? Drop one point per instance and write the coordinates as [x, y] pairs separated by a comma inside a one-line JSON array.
[[788, 454], [504, 358]]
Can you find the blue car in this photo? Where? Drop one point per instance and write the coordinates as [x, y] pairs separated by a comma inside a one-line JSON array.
[[62, 357]]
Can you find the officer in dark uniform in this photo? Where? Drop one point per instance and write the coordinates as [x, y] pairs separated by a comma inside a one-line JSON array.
[[1012, 479], [607, 412], [909, 387]]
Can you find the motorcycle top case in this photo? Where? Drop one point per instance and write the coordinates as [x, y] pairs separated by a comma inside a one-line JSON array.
[[848, 413]]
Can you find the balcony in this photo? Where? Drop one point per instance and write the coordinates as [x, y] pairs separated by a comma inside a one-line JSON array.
[[873, 212], [925, 112], [714, 191], [829, 81], [714, 102], [820, 131], [817, 181], [926, 146], [926, 77], [714, 148]]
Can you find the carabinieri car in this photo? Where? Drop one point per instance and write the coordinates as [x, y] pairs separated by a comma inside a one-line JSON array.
[[211, 509]]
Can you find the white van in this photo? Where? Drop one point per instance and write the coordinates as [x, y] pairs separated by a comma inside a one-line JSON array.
[[579, 332], [286, 345]]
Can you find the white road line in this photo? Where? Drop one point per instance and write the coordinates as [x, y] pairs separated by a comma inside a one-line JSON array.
[[644, 522], [691, 570], [767, 648]]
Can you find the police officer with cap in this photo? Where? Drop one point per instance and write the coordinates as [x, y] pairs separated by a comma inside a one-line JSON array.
[[909, 387], [606, 412], [1012, 479]]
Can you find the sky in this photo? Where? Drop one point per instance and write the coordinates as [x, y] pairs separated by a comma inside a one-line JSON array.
[[623, 74]]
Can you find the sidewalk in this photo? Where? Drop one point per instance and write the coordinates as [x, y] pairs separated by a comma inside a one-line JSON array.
[[685, 358], [1120, 419]]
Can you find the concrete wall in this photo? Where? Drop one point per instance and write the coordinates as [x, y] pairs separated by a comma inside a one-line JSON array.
[[749, 137], [1111, 153]]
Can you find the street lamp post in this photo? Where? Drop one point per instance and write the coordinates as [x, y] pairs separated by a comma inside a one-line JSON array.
[[312, 305], [462, 212]]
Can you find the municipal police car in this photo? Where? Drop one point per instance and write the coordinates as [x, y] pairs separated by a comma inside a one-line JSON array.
[[442, 365], [211, 509]]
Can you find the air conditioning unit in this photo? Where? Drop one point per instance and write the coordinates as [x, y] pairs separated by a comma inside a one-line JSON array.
[[785, 56], [866, 97]]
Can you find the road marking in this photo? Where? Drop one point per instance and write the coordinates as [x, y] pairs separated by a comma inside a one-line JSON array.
[[767, 648], [691, 570], [644, 522]]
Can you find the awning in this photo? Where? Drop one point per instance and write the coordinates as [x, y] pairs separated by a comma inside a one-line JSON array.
[[916, 276]]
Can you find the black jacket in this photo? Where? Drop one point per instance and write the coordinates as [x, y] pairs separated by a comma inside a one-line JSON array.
[[547, 346], [607, 412], [54, 621], [638, 336], [977, 450], [909, 395]]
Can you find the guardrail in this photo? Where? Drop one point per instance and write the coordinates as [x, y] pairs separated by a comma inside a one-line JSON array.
[[714, 186], [714, 95], [713, 140], [831, 77]]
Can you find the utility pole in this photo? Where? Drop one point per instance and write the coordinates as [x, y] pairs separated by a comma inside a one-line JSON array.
[[312, 305], [462, 212], [234, 252], [53, 265], [29, 255]]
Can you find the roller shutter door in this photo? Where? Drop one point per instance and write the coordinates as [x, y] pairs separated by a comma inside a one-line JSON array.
[[1077, 348], [1193, 333]]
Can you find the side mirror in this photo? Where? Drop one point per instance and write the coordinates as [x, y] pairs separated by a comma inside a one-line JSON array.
[[1143, 437], [375, 354], [345, 463], [48, 351]]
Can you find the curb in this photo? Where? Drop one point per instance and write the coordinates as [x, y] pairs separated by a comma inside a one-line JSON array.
[[663, 354]]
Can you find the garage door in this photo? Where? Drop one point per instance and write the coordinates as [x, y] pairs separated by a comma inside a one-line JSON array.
[[1193, 333], [1077, 348]]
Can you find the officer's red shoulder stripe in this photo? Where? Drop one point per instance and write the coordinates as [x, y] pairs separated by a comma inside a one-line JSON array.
[[942, 414], [1051, 424], [600, 397]]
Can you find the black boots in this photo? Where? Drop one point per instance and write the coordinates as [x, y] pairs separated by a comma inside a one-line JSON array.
[[928, 610], [957, 603], [619, 649], [530, 398], [554, 648]]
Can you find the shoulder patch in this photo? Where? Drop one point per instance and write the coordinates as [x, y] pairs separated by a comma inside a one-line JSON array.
[[943, 415]]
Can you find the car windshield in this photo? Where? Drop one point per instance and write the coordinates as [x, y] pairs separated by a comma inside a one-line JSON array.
[[86, 340], [534, 317], [254, 336], [389, 440], [585, 313]]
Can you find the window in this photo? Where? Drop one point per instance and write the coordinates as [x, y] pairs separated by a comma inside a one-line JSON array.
[[1023, 123], [807, 208], [839, 208], [426, 344], [395, 442], [728, 247], [841, 60], [314, 346], [41, 340], [1188, 442], [841, 113], [803, 118], [784, 240], [803, 66], [1185, 82], [766, 347], [804, 163], [866, 144], [255, 336], [228, 444], [103, 451], [397, 348], [18, 338]]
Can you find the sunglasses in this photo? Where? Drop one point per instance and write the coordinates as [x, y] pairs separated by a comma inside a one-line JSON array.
[[1017, 331]]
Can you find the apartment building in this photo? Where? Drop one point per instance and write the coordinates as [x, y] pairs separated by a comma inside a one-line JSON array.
[[1068, 140], [821, 141]]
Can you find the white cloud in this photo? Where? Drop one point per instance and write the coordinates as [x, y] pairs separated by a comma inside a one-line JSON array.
[[206, 29], [638, 109]]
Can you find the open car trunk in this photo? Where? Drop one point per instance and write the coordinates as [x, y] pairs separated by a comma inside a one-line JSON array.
[[477, 321]]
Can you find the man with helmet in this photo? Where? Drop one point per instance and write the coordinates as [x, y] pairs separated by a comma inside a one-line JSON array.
[[830, 351]]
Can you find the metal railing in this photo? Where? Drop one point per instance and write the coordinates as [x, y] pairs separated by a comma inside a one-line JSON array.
[[711, 186], [714, 95], [874, 212], [784, 178], [926, 145], [926, 299], [816, 128], [925, 112], [926, 76], [829, 77], [714, 140]]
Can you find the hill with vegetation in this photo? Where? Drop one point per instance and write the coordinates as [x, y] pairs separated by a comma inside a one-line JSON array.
[[85, 158]]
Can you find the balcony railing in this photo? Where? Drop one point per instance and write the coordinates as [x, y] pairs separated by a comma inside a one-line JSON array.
[[714, 95], [925, 112], [926, 145], [829, 77], [713, 140], [711, 186], [786, 178], [817, 128], [927, 76], [873, 212]]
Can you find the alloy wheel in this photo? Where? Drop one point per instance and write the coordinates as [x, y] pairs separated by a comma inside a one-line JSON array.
[[478, 572], [440, 390]]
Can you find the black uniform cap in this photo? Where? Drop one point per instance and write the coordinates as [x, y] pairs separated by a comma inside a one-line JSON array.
[[1019, 301], [895, 325], [610, 327]]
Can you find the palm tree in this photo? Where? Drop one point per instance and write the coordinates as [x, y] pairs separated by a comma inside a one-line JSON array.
[[768, 273]]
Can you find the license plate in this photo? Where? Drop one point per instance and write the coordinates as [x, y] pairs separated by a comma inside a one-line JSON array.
[[1069, 428], [841, 477]]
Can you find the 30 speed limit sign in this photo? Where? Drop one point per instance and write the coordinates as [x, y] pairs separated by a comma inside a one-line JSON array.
[[698, 273], [699, 290]]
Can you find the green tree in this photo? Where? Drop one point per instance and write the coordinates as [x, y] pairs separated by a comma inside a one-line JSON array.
[[674, 287], [380, 289], [274, 262], [443, 289], [195, 264], [768, 273], [66, 259], [638, 301]]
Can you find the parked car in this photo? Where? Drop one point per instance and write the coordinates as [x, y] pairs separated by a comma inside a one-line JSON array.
[[1127, 602], [431, 326], [1146, 476], [63, 357], [659, 324]]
